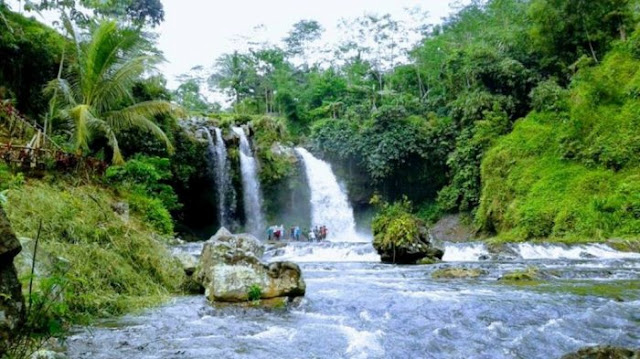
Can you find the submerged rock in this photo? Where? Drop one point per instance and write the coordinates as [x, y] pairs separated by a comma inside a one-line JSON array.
[[604, 352], [189, 265], [458, 273], [528, 275], [230, 271]]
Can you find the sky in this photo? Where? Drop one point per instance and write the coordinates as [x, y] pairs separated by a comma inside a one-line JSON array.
[[196, 32]]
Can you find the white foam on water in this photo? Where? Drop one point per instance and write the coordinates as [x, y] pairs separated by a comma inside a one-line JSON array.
[[472, 251], [549, 324], [464, 252], [495, 326], [328, 252], [320, 316], [434, 295], [363, 344], [274, 332], [366, 316], [552, 251]]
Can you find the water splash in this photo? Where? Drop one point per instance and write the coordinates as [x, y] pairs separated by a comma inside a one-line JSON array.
[[250, 185], [329, 204]]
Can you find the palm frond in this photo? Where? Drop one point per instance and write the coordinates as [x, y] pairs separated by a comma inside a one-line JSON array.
[[82, 118], [62, 90], [138, 116], [109, 47], [116, 88]]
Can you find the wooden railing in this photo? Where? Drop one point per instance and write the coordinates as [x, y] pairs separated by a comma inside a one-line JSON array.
[[40, 159], [42, 152]]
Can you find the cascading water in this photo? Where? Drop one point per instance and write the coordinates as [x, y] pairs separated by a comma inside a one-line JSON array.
[[220, 170], [329, 204], [250, 185]]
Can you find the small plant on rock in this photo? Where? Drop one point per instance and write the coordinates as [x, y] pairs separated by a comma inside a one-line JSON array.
[[255, 292]]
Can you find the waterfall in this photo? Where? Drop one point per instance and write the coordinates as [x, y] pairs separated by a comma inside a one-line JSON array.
[[329, 204], [250, 186], [223, 180]]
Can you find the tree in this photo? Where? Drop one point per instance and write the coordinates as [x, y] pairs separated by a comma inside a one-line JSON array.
[[96, 96], [301, 36], [565, 30], [135, 12], [234, 74]]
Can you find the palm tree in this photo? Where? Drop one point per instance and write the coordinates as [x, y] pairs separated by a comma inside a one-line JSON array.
[[96, 96]]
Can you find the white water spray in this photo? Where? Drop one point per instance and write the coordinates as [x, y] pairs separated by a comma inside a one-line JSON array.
[[250, 185], [329, 204]]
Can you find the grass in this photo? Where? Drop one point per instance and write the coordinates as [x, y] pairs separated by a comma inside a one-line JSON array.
[[115, 265]]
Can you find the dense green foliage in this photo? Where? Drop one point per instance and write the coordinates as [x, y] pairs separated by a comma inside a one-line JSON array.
[[522, 114], [31, 54], [423, 128], [571, 170]]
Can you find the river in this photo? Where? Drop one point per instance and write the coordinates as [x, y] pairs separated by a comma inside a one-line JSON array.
[[356, 307]]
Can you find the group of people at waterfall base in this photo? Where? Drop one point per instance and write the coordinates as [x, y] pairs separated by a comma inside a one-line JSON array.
[[276, 233]]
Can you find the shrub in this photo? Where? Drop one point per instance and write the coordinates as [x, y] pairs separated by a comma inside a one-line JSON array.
[[394, 225]]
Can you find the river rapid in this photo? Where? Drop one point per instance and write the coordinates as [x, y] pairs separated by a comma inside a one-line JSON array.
[[356, 307]]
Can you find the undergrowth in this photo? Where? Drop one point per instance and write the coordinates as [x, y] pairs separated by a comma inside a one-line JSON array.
[[115, 264]]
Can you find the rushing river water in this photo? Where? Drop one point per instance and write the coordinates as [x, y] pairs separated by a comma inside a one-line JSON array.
[[356, 307]]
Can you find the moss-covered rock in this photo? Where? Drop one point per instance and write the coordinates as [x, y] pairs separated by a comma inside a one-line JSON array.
[[458, 273], [400, 237], [530, 274], [604, 352]]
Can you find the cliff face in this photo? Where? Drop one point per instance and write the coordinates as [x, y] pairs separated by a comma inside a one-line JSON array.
[[11, 300]]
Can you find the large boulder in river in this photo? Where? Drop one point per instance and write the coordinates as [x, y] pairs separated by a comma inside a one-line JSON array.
[[230, 268], [403, 239]]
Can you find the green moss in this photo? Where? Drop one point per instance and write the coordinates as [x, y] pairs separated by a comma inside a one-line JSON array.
[[531, 274], [620, 290], [428, 261], [458, 273], [116, 265]]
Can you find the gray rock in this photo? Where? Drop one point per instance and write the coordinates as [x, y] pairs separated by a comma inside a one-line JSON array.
[[230, 267], [11, 302], [452, 228]]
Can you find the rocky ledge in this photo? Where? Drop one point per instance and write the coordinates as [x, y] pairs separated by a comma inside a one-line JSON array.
[[230, 270]]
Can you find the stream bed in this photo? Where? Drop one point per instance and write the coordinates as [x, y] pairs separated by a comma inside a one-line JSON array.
[[356, 307]]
